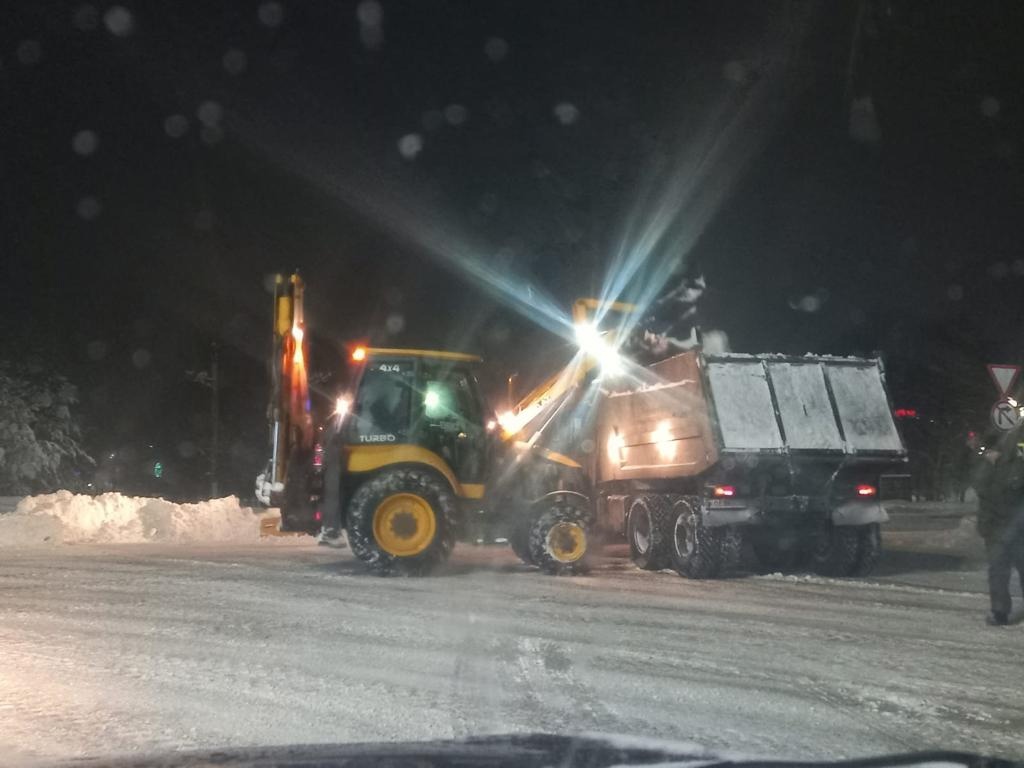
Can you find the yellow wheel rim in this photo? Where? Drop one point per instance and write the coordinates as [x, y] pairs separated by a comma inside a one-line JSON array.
[[567, 542], [404, 524]]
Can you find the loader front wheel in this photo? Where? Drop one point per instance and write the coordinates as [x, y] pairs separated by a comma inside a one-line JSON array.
[[560, 539], [519, 538], [696, 550], [648, 532], [403, 522]]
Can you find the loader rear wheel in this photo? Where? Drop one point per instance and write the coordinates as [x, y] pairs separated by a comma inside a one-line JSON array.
[[560, 539], [403, 522], [648, 532], [696, 550], [836, 550]]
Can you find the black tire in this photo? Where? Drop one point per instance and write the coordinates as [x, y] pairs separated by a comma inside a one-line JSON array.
[[870, 550], [836, 550], [365, 503], [695, 549], [519, 538], [648, 532], [731, 544], [554, 532], [777, 550]]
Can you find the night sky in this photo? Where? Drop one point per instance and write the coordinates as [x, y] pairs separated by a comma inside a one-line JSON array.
[[160, 159]]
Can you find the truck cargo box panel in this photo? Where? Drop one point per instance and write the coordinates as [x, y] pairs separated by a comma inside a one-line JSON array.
[[804, 406], [743, 406], [864, 408]]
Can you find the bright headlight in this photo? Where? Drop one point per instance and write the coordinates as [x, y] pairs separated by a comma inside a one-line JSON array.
[[590, 341]]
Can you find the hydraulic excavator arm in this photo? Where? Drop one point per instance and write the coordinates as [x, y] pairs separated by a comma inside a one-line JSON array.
[[526, 419], [288, 412]]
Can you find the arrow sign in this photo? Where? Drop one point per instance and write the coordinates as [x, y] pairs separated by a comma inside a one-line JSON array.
[[1005, 416], [1004, 376]]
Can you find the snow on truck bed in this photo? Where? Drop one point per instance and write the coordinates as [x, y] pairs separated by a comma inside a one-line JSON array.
[[113, 518]]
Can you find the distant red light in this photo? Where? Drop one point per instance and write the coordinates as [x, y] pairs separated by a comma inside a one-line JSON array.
[[865, 491], [723, 491], [905, 413], [318, 459], [318, 515]]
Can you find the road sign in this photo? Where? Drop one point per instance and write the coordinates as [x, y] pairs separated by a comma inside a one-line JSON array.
[[1005, 415], [1004, 376]]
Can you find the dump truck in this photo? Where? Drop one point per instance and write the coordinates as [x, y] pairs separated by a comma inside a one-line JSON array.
[[702, 453]]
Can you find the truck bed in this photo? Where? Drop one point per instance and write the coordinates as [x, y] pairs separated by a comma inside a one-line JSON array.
[[691, 410], [775, 403]]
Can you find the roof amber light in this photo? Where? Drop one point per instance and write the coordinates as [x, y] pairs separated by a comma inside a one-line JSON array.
[[359, 354]]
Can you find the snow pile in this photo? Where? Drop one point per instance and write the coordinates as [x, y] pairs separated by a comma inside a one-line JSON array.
[[112, 518]]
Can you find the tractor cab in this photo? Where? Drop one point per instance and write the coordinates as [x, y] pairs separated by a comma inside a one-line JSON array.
[[424, 405]]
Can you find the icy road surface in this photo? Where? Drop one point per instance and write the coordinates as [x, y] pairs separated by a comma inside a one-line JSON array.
[[149, 647]]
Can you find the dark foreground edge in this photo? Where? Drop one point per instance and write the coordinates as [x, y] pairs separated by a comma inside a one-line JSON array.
[[517, 751]]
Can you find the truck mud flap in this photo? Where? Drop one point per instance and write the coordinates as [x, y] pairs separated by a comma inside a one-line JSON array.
[[717, 517], [859, 513]]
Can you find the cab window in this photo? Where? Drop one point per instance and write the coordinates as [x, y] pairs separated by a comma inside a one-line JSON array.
[[449, 398], [381, 411]]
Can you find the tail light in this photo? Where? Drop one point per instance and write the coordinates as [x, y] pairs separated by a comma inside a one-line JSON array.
[[866, 491], [723, 491]]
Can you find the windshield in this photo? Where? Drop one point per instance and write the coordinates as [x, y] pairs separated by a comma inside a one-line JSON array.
[[393, 371]]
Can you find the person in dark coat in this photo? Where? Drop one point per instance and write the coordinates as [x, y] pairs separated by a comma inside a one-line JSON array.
[[1000, 488]]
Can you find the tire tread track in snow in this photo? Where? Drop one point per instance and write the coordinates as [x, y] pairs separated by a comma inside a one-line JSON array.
[[140, 647]]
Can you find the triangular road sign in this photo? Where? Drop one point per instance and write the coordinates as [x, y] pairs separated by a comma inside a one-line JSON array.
[[1004, 376]]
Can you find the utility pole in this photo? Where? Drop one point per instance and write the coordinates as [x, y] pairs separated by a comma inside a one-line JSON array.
[[214, 419]]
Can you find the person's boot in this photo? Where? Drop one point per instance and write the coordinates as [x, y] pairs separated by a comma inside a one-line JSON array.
[[997, 619], [331, 537]]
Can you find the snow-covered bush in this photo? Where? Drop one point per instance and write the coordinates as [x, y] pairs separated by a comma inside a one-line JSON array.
[[39, 437]]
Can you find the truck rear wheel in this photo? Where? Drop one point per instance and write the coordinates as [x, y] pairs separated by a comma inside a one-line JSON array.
[[560, 539], [648, 532], [403, 521], [836, 550], [695, 549], [870, 549]]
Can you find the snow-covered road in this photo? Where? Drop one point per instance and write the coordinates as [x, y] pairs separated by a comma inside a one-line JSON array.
[[126, 648]]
